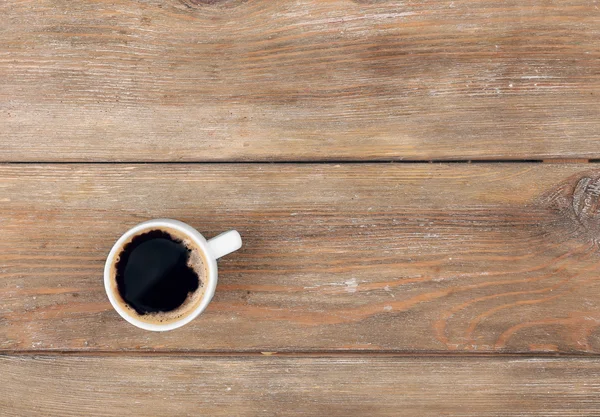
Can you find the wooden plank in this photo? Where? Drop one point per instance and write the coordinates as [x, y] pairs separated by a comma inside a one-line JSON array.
[[168, 386], [395, 257], [197, 80]]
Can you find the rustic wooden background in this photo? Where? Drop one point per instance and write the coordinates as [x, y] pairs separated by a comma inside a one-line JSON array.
[[416, 184]]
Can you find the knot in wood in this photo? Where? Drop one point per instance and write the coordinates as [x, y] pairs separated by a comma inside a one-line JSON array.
[[586, 203], [578, 201]]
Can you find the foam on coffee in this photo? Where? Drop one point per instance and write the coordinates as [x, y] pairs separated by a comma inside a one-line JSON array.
[[195, 263]]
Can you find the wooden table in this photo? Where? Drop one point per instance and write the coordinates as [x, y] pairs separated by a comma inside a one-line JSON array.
[[415, 183]]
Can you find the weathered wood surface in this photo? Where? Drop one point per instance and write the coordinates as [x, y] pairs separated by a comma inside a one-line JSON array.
[[417, 257], [298, 80], [168, 386]]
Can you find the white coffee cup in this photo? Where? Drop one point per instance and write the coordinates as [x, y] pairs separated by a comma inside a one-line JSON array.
[[211, 250]]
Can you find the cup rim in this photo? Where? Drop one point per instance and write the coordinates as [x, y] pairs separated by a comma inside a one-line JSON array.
[[211, 268]]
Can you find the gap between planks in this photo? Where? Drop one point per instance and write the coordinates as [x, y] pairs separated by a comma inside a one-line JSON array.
[[299, 354], [313, 162]]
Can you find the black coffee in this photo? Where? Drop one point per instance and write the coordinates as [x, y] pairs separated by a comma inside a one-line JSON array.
[[153, 273]]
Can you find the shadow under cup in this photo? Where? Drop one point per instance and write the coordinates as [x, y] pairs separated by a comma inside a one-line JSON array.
[[158, 275]]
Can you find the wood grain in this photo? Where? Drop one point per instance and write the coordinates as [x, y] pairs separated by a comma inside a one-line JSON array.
[[478, 387], [392, 257], [233, 80]]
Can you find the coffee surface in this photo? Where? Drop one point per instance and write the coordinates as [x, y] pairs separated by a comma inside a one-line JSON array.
[[154, 274]]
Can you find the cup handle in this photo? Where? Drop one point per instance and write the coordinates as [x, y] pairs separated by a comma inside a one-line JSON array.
[[225, 243]]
